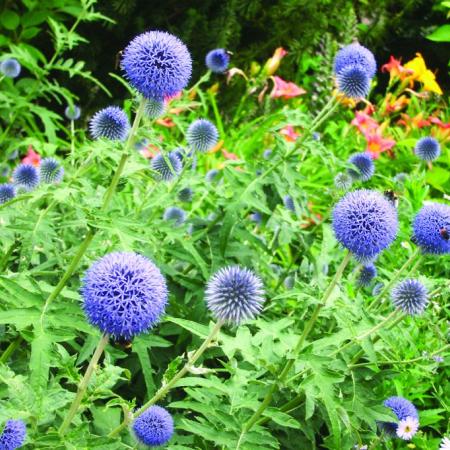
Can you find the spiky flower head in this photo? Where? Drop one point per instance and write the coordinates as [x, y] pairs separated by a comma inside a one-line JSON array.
[[427, 148], [365, 223], [202, 135], [211, 175], [185, 194], [26, 176], [401, 407], [256, 217], [72, 113], [7, 192], [10, 68], [51, 171], [157, 64], [343, 181], [234, 294], [445, 444], [407, 428], [167, 167], [288, 203], [217, 60], [154, 427], [432, 228], [110, 123], [353, 82], [355, 54], [154, 108], [175, 215], [13, 436], [377, 289], [365, 167], [411, 296], [124, 294], [367, 274]]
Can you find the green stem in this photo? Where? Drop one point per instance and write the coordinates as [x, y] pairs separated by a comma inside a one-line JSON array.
[[84, 384], [306, 331], [165, 388], [10, 349], [72, 141]]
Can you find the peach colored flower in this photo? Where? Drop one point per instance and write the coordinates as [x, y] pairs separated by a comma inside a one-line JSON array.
[[166, 122], [289, 133], [285, 89], [32, 157], [395, 69], [418, 121], [229, 155], [364, 123], [377, 144]]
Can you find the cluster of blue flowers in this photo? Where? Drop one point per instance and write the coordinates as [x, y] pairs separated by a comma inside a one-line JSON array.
[[13, 435], [408, 419]]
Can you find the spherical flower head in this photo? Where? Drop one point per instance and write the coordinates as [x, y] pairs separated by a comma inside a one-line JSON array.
[[51, 171], [343, 181], [256, 217], [26, 176], [185, 194], [407, 428], [157, 64], [353, 82], [288, 203], [411, 296], [154, 426], [366, 275], [7, 192], [110, 123], [355, 54], [124, 294], [13, 436], [10, 68], [72, 113], [267, 153], [401, 407], [175, 215], [217, 60], [427, 148], [445, 444], [183, 154], [167, 167], [211, 175], [432, 228], [234, 294], [202, 135], [154, 108], [377, 289], [365, 223], [289, 282], [365, 167]]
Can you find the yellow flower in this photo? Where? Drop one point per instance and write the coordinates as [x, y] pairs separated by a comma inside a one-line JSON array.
[[422, 74]]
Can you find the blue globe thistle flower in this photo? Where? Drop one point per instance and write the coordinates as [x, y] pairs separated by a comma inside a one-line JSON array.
[[13, 436], [355, 55], [154, 426], [167, 167], [316, 136], [202, 135], [234, 294], [288, 203], [183, 154], [289, 282], [7, 192], [185, 194], [267, 153], [353, 82], [154, 108], [256, 217], [366, 275], [10, 68], [51, 171], [427, 148], [175, 214], [365, 167], [211, 175], [124, 294], [157, 64], [377, 289], [110, 123], [26, 176], [411, 296], [365, 223], [72, 113], [343, 181], [432, 228], [217, 60]]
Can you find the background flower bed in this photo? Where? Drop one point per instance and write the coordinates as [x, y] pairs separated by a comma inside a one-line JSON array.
[[341, 403]]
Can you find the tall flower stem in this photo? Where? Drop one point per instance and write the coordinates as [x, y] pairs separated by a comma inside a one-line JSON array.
[[107, 199], [84, 384], [290, 362], [72, 141], [165, 388], [393, 280]]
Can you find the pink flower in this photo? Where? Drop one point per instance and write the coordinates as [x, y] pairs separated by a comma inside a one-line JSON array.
[[377, 144], [365, 124], [32, 157], [285, 89], [230, 155], [289, 133]]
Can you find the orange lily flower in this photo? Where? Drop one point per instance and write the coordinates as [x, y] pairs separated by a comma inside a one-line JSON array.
[[289, 133], [365, 124], [377, 144], [285, 89], [32, 157], [395, 69]]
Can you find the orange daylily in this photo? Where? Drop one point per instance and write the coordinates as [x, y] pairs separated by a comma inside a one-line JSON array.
[[285, 89], [395, 69], [289, 133], [273, 63], [393, 104], [230, 155], [365, 124], [423, 75], [418, 121], [32, 157], [377, 144], [166, 122]]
